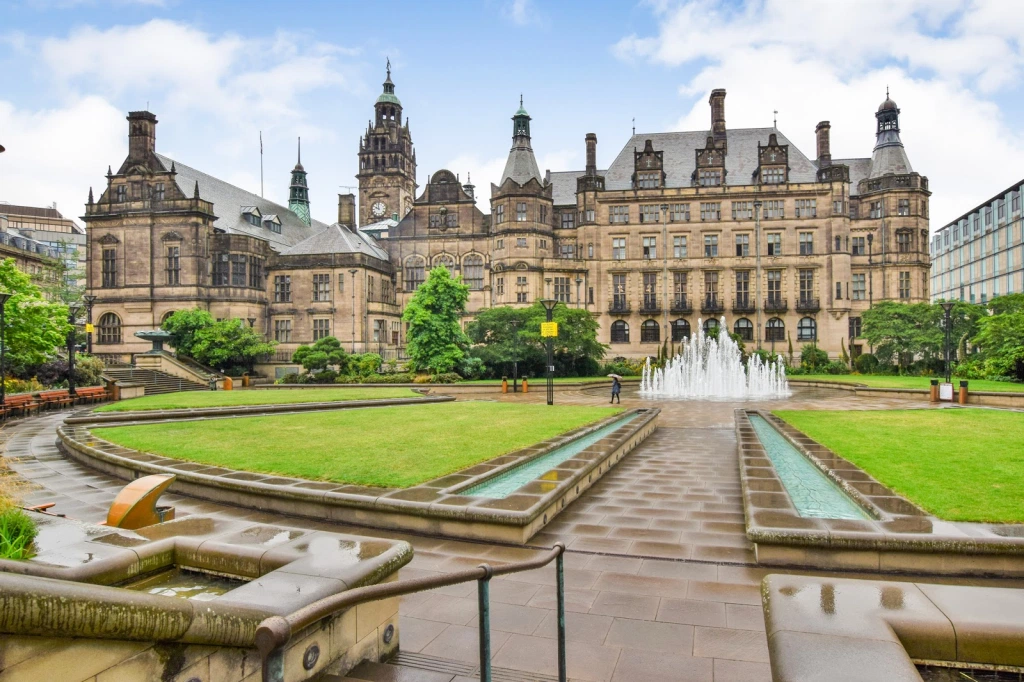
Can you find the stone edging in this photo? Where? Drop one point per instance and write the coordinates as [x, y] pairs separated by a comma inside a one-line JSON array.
[[899, 538], [988, 398], [434, 507], [243, 410]]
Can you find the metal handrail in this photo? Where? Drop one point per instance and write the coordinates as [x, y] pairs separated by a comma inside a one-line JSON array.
[[275, 632]]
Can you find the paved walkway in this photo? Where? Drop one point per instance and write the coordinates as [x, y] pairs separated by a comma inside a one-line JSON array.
[[660, 577]]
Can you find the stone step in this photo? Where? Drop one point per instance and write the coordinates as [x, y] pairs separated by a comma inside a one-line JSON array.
[[413, 667]]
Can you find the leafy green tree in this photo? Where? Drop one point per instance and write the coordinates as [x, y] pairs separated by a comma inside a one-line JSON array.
[[900, 332], [812, 358], [497, 343], [436, 341], [326, 352], [1000, 337], [230, 344], [184, 325], [34, 327]]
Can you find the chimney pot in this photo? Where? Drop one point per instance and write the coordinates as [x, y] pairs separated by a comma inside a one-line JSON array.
[[591, 154], [717, 101], [821, 132]]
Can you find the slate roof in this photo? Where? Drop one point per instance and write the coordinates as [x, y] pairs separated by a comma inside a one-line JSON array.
[[860, 169], [228, 201], [563, 186], [521, 164], [336, 238]]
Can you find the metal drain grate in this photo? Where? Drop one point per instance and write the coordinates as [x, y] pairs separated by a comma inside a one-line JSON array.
[[444, 665]]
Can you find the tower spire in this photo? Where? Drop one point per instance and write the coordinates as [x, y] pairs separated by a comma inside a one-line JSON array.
[[298, 191], [300, 152]]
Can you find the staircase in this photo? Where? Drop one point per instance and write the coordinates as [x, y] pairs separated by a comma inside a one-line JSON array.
[[411, 667], [156, 382]]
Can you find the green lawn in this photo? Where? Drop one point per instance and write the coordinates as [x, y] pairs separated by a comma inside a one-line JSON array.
[[879, 381], [271, 396], [959, 464], [541, 380], [385, 446]]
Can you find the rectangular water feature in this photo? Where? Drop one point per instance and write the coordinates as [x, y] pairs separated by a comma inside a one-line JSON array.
[[507, 482], [185, 584], [813, 494]]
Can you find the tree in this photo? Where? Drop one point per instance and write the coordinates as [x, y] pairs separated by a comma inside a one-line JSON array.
[[184, 325], [497, 342], [900, 332], [230, 344], [1000, 337], [436, 341], [326, 352], [34, 327]]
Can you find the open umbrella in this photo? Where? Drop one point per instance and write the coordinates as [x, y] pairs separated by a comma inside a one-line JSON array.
[[614, 376]]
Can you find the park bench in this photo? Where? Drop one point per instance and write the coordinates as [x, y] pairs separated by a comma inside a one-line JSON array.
[[92, 394], [23, 404], [58, 399]]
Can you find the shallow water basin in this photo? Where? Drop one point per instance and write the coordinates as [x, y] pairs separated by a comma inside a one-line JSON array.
[[185, 584]]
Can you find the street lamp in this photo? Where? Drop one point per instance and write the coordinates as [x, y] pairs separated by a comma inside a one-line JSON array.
[[4, 296], [89, 299], [757, 267], [73, 309], [947, 307], [549, 306], [353, 272]]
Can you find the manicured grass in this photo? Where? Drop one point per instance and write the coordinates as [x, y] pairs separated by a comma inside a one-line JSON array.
[[541, 380], [271, 396], [386, 446], [879, 381], [958, 464]]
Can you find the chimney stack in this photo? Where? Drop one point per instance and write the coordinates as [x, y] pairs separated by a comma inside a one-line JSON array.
[[591, 154], [347, 210], [141, 135], [717, 102], [824, 147]]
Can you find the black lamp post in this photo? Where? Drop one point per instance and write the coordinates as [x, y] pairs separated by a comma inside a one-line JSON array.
[[353, 272], [4, 296], [73, 309], [549, 306], [947, 307], [89, 299]]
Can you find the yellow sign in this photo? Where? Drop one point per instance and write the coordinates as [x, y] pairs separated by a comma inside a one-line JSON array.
[[549, 329], [89, 328]]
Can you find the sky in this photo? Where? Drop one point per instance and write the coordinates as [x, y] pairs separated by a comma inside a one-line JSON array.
[[219, 74]]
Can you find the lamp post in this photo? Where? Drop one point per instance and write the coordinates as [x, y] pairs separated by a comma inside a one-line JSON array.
[[757, 267], [89, 299], [4, 296], [947, 307], [73, 309], [549, 307], [353, 272], [664, 270]]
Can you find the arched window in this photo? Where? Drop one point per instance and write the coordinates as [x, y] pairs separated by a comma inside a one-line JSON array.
[[166, 315], [744, 329], [650, 332], [711, 327], [414, 272], [446, 260], [620, 332], [109, 329], [680, 330], [807, 329], [775, 330], [473, 271]]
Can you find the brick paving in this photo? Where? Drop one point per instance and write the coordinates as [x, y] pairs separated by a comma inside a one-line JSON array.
[[660, 577]]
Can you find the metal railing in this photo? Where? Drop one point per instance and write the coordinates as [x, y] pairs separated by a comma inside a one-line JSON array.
[[807, 305], [274, 633], [711, 304]]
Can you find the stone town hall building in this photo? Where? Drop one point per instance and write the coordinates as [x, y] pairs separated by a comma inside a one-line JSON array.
[[682, 226]]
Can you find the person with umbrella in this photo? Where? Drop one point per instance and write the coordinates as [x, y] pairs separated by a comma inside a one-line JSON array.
[[616, 388]]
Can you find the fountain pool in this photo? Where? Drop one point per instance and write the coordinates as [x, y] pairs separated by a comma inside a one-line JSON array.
[[709, 367]]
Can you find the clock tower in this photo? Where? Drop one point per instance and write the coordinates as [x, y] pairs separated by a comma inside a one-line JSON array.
[[387, 161]]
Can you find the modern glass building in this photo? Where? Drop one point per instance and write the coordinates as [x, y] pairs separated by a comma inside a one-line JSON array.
[[980, 255]]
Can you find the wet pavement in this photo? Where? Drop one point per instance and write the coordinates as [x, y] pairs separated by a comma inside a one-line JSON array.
[[661, 582]]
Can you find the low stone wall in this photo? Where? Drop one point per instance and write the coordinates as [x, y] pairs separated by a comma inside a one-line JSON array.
[[823, 629], [985, 398], [436, 507], [898, 538]]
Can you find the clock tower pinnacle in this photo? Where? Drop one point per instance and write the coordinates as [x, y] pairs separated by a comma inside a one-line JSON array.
[[387, 161]]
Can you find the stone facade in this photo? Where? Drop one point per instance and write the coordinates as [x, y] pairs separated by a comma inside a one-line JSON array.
[[683, 228]]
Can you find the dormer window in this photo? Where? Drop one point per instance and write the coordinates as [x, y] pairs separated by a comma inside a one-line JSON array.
[[773, 176], [272, 223], [252, 215], [122, 193], [710, 178]]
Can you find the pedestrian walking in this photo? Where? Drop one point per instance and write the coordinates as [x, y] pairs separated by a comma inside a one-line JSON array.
[[616, 389]]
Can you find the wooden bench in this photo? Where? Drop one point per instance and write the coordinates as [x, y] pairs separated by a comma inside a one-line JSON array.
[[58, 399], [23, 404], [92, 394]]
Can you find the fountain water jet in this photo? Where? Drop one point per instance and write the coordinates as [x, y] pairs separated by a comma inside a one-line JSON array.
[[713, 368]]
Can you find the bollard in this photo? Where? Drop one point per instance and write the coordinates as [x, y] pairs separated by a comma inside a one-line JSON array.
[[934, 391], [526, 386], [963, 393], [504, 385]]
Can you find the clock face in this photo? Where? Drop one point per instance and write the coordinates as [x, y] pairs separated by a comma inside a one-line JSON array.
[[379, 208]]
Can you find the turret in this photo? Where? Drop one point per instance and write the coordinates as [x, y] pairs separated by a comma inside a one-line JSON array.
[[298, 191]]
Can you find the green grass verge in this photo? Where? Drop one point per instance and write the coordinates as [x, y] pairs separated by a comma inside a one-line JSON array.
[[384, 446], [958, 464], [879, 381], [17, 531], [271, 396], [535, 380]]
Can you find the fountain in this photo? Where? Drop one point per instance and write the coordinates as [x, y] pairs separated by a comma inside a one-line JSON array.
[[713, 368]]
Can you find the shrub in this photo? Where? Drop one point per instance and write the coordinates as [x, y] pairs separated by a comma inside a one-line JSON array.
[[472, 367], [292, 378], [812, 358], [365, 364], [866, 363], [22, 386], [327, 376], [446, 378], [421, 379], [88, 370], [836, 367], [374, 379]]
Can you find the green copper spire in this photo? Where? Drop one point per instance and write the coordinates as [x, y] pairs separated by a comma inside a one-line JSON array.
[[520, 121], [298, 192], [388, 96]]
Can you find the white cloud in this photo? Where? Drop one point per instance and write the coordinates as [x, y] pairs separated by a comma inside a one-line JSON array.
[[49, 158], [483, 172], [521, 12], [833, 61]]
